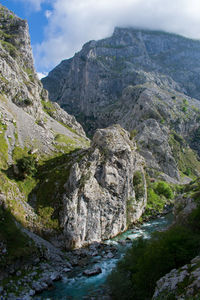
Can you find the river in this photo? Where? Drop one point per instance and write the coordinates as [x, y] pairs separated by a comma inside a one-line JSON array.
[[77, 286]]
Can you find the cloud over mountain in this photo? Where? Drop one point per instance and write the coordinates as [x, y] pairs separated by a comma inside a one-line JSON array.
[[71, 23]]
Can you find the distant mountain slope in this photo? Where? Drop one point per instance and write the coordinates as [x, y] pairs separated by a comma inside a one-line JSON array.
[[129, 56], [143, 80]]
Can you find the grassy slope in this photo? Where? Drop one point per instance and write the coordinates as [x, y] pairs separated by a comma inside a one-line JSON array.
[[47, 184]]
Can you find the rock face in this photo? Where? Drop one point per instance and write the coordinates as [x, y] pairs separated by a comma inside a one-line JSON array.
[[101, 196], [102, 69], [18, 78], [20, 89], [136, 78], [31, 127], [183, 283]]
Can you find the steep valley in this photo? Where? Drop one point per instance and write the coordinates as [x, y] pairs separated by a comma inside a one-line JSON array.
[[67, 186]]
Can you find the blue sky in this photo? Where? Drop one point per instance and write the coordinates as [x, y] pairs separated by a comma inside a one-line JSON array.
[[59, 28]]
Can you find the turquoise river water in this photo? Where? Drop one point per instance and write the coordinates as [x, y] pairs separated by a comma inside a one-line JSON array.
[[76, 286]]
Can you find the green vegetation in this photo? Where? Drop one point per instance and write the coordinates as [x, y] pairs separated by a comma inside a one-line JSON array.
[[163, 189], [184, 106], [4, 35], [27, 166], [4, 80], [48, 107], [185, 157], [195, 109], [18, 100], [3, 147], [129, 209], [18, 245], [10, 48], [148, 260], [133, 133], [44, 180], [138, 183], [19, 153], [66, 143], [158, 195], [51, 176]]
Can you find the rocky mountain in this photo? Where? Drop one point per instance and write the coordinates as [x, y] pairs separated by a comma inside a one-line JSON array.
[[59, 192], [56, 192], [143, 80], [34, 134]]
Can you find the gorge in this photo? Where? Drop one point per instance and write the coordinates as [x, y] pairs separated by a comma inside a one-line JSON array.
[[117, 144]]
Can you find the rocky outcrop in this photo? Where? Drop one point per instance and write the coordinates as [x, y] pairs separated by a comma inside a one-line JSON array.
[[136, 78], [58, 114], [101, 196], [183, 283], [187, 202], [18, 78], [23, 101], [31, 127], [183, 206]]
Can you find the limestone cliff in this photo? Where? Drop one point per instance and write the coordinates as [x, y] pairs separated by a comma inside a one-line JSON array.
[[19, 83], [106, 189], [143, 80], [34, 134], [53, 186]]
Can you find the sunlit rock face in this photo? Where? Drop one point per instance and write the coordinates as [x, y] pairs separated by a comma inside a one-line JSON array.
[[100, 198]]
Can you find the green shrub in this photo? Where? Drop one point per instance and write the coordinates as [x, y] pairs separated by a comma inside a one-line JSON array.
[[27, 166], [164, 189], [153, 198], [158, 194], [148, 260], [27, 102], [10, 48], [133, 133], [184, 108], [137, 178], [138, 184]]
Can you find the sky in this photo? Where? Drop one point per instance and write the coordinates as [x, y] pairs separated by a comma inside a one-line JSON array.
[[59, 28]]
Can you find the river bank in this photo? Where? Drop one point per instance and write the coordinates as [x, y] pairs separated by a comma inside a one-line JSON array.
[[75, 285], [82, 273]]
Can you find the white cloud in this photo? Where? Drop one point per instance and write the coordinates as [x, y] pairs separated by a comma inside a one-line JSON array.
[[33, 4], [42, 75], [74, 22], [48, 14]]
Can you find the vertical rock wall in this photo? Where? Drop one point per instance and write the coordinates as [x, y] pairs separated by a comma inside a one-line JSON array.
[[101, 198]]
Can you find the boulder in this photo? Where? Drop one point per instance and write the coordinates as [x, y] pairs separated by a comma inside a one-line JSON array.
[[92, 272]]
